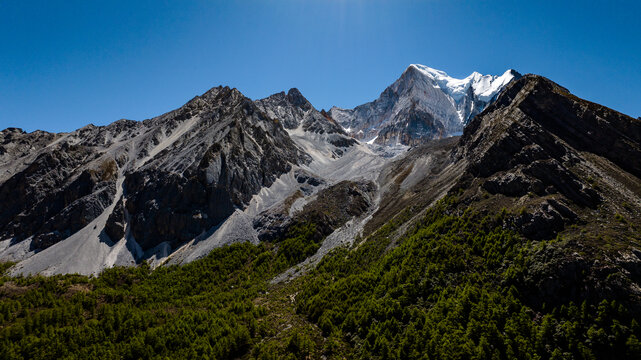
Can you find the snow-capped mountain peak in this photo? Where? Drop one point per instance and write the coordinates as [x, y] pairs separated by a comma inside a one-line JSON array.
[[485, 87], [424, 103]]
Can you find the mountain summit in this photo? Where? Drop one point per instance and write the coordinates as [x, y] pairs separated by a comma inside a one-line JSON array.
[[423, 104]]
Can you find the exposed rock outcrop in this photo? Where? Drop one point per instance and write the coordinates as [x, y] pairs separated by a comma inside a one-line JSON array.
[[533, 138], [50, 200], [229, 153], [330, 209], [294, 111]]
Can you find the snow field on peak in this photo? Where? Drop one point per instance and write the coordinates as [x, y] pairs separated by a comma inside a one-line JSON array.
[[484, 86]]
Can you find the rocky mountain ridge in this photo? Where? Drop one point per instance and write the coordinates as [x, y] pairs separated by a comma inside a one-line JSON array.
[[148, 186], [564, 167], [224, 169], [423, 104]]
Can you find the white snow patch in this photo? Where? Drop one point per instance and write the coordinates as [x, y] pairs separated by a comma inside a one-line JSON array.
[[484, 86]]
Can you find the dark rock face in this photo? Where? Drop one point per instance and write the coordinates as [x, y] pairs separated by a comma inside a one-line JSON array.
[[294, 110], [53, 185], [170, 207], [304, 178], [419, 127], [544, 222], [50, 201], [115, 226], [181, 173], [513, 184], [553, 173], [288, 108], [18, 149], [336, 205], [519, 155], [583, 125], [532, 141], [229, 154], [331, 209]]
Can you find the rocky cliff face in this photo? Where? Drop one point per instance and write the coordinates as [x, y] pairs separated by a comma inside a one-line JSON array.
[[541, 144], [330, 209], [163, 180], [536, 105], [229, 153], [55, 184], [422, 104], [296, 112]]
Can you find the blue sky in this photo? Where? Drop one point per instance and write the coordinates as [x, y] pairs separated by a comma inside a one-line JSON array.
[[64, 64]]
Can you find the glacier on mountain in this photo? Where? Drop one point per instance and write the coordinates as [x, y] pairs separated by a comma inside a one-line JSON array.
[[423, 104]]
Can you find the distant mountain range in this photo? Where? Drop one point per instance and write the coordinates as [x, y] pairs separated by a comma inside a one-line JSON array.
[[223, 168], [485, 217], [423, 104]]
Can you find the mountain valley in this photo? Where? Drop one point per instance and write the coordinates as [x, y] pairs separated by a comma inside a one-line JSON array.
[[485, 217]]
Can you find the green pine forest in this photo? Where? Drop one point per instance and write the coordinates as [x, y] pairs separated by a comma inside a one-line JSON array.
[[447, 289]]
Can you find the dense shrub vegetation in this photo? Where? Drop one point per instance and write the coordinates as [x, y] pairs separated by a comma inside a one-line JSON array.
[[448, 289], [200, 310], [448, 292]]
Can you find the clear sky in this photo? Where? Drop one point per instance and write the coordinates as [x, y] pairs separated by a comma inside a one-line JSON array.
[[64, 64]]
